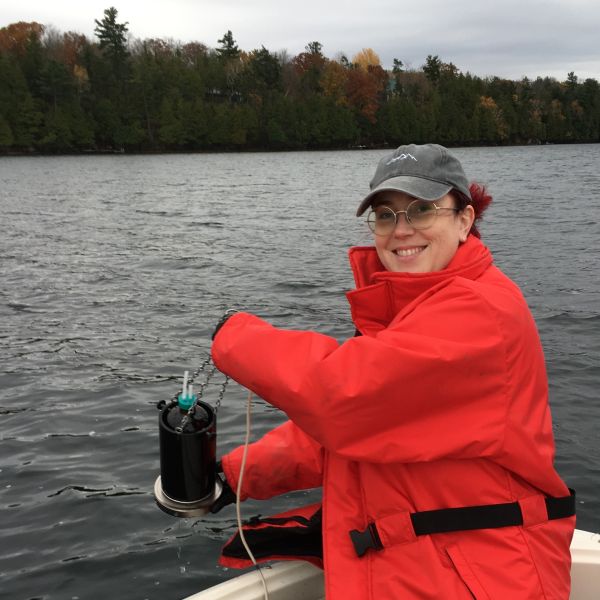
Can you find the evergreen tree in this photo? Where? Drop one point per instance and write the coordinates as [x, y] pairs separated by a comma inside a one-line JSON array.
[[571, 80], [56, 132], [56, 83], [171, 131], [112, 36], [315, 48], [432, 68], [6, 136], [265, 70], [228, 48]]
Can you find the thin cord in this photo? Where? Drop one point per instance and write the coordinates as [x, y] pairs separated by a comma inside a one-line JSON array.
[[239, 491]]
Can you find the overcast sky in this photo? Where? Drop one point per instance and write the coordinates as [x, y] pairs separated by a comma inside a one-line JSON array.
[[511, 38]]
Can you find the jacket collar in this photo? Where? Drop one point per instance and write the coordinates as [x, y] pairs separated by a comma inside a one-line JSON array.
[[381, 294]]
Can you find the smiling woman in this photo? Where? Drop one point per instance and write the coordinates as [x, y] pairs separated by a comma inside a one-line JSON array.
[[421, 190], [421, 242], [429, 431]]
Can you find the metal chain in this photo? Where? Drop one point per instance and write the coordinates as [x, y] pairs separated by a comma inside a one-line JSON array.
[[207, 361], [221, 394], [200, 390]]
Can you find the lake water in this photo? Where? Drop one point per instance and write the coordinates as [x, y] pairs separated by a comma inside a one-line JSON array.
[[114, 270]]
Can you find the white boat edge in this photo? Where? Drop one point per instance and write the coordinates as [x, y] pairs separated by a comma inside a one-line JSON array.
[[286, 580], [298, 580], [585, 567]]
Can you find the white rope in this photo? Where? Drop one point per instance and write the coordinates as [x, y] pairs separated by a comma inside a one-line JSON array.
[[239, 491]]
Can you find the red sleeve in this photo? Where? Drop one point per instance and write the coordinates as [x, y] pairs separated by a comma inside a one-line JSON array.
[[433, 384], [283, 460]]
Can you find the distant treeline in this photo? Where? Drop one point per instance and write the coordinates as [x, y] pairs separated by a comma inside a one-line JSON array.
[[61, 92]]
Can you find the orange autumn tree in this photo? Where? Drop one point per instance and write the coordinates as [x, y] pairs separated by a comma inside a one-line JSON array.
[[366, 84], [73, 46], [309, 66], [15, 37]]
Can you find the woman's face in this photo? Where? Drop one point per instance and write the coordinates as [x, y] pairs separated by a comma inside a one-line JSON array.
[[410, 250]]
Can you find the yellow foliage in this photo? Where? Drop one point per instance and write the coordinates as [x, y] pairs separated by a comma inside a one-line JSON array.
[[366, 58], [333, 81], [80, 73], [488, 102]]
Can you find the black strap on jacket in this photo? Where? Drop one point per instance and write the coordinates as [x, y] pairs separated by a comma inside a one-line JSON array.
[[445, 520]]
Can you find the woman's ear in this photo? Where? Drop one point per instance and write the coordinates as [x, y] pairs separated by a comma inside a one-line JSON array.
[[466, 217]]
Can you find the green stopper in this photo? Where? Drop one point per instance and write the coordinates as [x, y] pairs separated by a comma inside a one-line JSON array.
[[185, 402]]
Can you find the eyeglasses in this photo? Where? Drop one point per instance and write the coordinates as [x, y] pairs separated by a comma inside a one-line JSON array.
[[382, 220]]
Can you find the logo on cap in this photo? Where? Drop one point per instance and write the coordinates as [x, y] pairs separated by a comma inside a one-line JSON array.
[[400, 157]]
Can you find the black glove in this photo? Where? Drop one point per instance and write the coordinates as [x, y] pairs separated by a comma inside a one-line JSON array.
[[222, 321], [226, 497]]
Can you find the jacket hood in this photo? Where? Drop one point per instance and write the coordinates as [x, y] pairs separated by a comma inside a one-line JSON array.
[[381, 294]]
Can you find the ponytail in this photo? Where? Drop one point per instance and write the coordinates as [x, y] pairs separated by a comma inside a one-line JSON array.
[[480, 200]]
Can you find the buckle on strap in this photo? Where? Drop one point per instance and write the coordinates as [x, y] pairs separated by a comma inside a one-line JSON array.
[[466, 518], [366, 540]]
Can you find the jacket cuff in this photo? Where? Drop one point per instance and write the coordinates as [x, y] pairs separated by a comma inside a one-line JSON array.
[[231, 464]]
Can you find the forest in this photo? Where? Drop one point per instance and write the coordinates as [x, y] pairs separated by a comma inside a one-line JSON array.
[[65, 93]]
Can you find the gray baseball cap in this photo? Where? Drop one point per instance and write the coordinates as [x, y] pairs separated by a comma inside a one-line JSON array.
[[427, 172]]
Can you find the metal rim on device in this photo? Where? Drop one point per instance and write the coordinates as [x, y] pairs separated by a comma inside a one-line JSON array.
[[185, 509]]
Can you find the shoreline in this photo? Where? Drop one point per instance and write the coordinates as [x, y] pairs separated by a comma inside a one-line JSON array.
[[116, 152]]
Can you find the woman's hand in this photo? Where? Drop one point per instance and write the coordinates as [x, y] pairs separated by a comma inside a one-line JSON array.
[[227, 495], [228, 313]]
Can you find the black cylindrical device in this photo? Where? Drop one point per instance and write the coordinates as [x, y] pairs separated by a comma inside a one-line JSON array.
[[188, 484]]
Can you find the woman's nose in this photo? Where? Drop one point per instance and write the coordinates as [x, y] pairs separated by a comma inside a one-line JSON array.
[[402, 227]]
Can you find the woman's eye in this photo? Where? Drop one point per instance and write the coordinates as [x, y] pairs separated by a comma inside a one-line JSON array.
[[385, 215], [423, 208]]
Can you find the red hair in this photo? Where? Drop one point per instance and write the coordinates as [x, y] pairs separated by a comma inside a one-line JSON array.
[[480, 200]]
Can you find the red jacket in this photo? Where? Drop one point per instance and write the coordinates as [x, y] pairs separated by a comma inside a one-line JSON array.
[[441, 403]]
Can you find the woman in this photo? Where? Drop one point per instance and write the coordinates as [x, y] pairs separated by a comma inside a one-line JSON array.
[[430, 431]]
